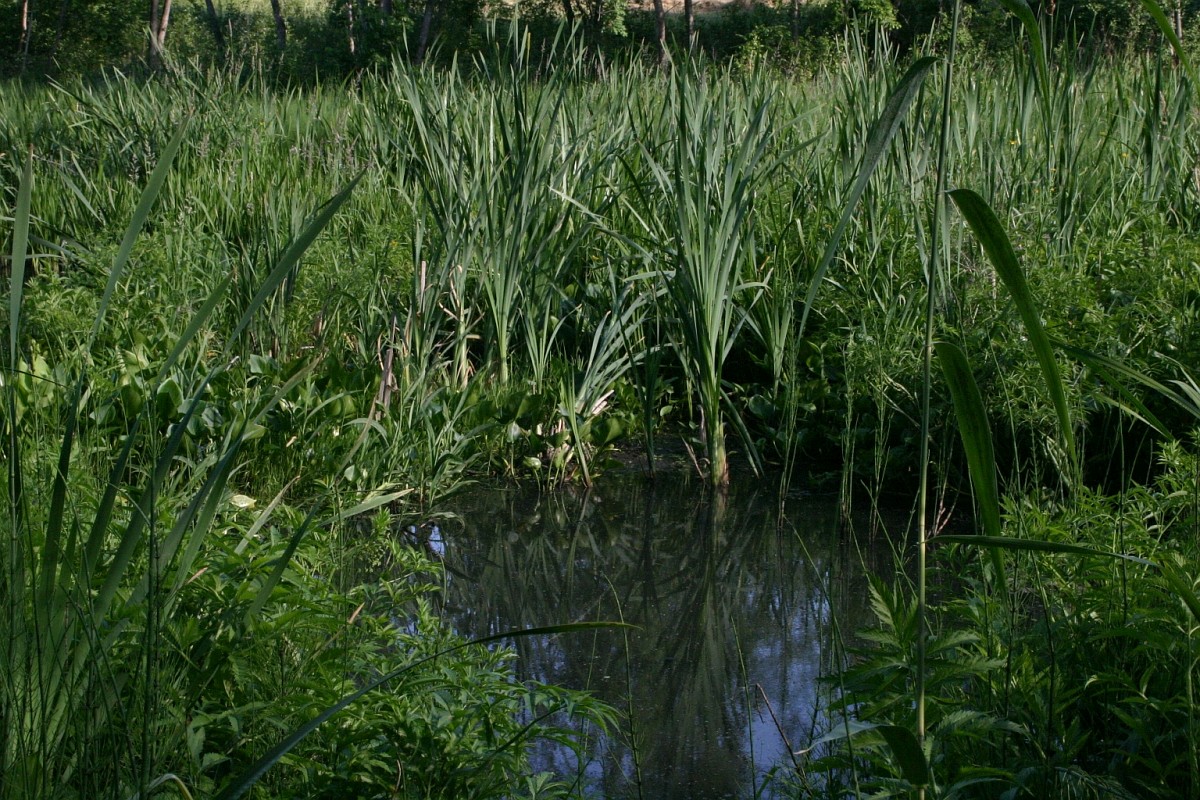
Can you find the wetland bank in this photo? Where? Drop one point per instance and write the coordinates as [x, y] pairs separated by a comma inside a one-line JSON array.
[[256, 333]]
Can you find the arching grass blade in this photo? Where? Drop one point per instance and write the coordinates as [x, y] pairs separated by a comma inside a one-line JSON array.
[[881, 136], [991, 235], [976, 437], [136, 223]]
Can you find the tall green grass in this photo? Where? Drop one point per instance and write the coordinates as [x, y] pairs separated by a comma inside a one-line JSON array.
[[984, 692], [123, 462]]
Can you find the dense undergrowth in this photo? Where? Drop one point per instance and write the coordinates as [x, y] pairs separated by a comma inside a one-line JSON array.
[[518, 268]]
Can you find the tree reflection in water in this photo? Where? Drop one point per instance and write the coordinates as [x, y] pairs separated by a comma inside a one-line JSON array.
[[727, 593]]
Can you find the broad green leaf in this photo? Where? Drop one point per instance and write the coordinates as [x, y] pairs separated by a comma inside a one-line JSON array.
[[976, 437], [907, 752]]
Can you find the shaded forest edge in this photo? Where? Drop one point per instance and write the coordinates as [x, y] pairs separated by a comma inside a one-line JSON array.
[[334, 39]]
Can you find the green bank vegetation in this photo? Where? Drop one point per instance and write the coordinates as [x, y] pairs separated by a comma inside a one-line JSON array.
[[254, 331]]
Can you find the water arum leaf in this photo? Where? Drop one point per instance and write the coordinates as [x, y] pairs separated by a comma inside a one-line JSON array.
[[991, 235], [168, 400], [606, 431]]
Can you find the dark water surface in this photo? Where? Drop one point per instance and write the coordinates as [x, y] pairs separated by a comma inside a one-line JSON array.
[[728, 596]]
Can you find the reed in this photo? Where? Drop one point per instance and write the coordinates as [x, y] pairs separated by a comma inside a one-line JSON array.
[[700, 214]]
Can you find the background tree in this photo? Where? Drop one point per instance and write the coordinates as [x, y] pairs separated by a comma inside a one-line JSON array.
[[660, 30], [280, 27], [214, 25], [23, 43], [160, 18]]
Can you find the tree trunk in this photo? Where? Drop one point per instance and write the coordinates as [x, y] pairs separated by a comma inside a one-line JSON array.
[[58, 31], [160, 18], [280, 28], [163, 22], [386, 7], [350, 26], [426, 24], [215, 23], [23, 44], [569, 12], [660, 31], [689, 13]]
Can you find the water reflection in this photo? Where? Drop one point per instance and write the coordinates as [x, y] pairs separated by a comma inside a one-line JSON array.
[[728, 594]]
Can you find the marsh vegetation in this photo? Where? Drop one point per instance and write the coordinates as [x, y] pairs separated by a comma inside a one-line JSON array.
[[256, 334]]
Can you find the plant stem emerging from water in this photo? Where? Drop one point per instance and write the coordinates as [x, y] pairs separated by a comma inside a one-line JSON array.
[[931, 277]]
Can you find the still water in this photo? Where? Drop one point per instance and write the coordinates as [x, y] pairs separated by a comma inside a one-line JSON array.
[[741, 604]]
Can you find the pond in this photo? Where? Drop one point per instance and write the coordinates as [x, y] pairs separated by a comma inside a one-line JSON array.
[[741, 604]]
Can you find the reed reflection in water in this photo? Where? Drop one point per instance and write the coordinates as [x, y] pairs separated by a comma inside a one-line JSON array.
[[728, 593]]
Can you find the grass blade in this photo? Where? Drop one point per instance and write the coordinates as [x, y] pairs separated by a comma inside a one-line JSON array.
[[976, 437], [1168, 30], [902, 742], [20, 249], [1021, 10], [881, 136], [991, 235], [1105, 364], [291, 255], [136, 223], [1185, 589], [1040, 546], [1175, 579]]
